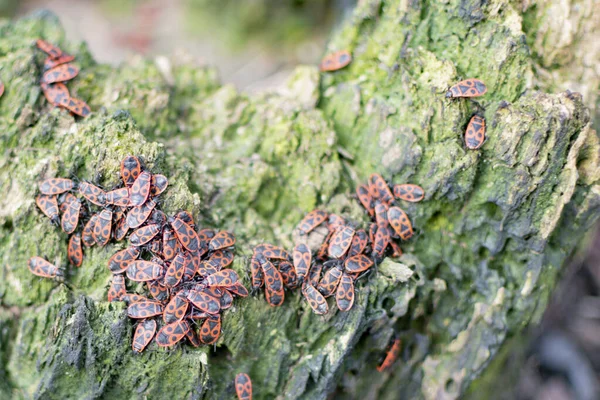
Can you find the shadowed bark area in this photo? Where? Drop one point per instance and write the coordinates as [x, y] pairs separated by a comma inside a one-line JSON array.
[[492, 234]]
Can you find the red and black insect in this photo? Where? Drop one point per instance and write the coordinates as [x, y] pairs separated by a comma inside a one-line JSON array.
[[409, 192], [344, 296], [176, 270], [314, 275], [158, 185], [391, 356], [211, 329], [75, 251], [56, 186], [334, 222], [176, 309], [48, 48], [379, 189], [140, 189], [273, 282], [64, 200], [121, 228], [335, 61], [170, 334], [130, 298], [221, 240], [76, 106], [144, 234], [364, 196], [70, 218], [60, 73], [396, 250], [158, 291], [243, 387], [138, 215], [185, 234], [256, 274], [358, 263], [40, 267], [330, 281], [340, 242], [316, 301], [131, 168], [302, 258], [117, 288], [311, 221], [382, 239], [87, 234], [238, 289], [118, 197], [92, 193], [218, 260], [400, 223], [192, 263], [102, 228], [288, 274], [467, 88], [143, 335], [51, 62], [142, 271], [223, 278], [56, 93], [121, 260], [169, 244], [272, 251], [203, 301], [475, 134], [144, 309], [192, 337], [49, 206], [359, 242], [226, 300]]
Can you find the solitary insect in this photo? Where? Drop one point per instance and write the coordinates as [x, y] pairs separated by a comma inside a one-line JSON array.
[[475, 134], [273, 282], [92, 193], [185, 234], [49, 206], [400, 222], [344, 296], [117, 288], [204, 302], [172, 333], [176, 309], [211, 329], [169, 244], [359, 242], [70, 218], [144, 234], [311, 221], [358, 263], [256, 274], [316, 301], [48, 48], [158, 291], [340, 242], [302, 258], [144, 309], [60, 73], [143, 335], [467, 88], [335, 61], [118, 197], [121, 260], [102, 228], [221, 240], [391, 356], [140, 189], [379, 189], [40, 267], [142, 271], [76, 106], [51, 62], [175, 270], [220, 259], [74, 251], [138, 215], [56, 93], [56, 185], [130, 170], [158, 185], [330, 281], [364, 196], [409, 192], [382, 239], [243, 387]]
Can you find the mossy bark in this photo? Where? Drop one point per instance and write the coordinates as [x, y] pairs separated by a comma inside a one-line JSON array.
[[492, 234]]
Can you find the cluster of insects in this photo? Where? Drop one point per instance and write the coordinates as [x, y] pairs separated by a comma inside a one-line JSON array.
[[58, 69], [346, 254], [475, 133], [184, 270]]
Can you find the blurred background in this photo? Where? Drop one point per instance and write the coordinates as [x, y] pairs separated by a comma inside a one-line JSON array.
[[255, 44]]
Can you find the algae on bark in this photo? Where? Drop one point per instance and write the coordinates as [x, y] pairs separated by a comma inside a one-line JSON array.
[[492, 234]]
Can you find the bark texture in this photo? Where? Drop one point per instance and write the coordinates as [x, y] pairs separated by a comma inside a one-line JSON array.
[[493, 232]]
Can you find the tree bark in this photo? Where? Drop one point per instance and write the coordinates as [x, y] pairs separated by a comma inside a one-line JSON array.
[[492, 234]]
